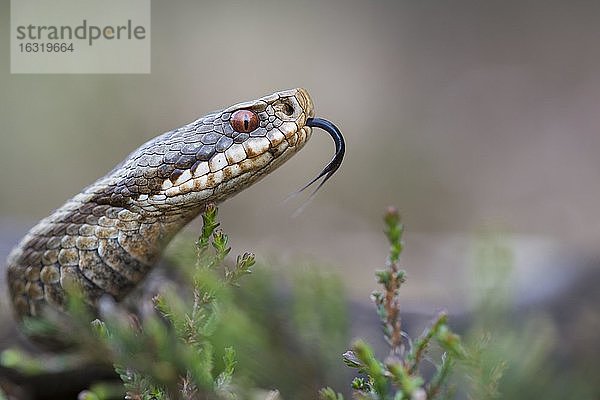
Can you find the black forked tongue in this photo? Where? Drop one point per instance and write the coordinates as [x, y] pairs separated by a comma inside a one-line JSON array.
[[340, 149]]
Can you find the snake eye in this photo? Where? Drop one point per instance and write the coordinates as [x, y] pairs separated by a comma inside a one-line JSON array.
[[244, 121]]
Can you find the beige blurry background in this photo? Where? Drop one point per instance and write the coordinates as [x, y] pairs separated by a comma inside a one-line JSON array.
[[464, 114]]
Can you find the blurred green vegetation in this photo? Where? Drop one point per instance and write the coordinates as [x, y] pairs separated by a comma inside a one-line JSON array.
[[526, 343], [288, 330]]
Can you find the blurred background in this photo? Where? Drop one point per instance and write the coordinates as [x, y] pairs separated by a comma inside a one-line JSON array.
[[471, 117]]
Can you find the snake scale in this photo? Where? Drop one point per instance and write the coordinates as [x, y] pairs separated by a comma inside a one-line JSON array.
[[107, 238]]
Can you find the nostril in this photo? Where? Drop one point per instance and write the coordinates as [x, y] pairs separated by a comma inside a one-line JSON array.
[[288, 109]]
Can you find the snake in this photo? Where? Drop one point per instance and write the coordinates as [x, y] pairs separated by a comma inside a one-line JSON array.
[[107, 238]]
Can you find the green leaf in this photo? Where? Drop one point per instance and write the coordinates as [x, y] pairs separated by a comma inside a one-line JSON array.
[[372, 367], [329, 394]]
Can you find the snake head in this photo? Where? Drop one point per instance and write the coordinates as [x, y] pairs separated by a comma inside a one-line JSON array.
[[215, 156]]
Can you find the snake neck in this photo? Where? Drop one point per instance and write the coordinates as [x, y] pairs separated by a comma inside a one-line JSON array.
[[101, 248]]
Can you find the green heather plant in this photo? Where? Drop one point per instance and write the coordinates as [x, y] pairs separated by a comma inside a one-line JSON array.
[[176, 359], [399, 375]]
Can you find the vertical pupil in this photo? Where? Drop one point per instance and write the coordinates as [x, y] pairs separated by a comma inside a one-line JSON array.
[[244, 121]]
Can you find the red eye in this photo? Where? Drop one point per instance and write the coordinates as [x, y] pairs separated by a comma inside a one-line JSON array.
[[244, 121]]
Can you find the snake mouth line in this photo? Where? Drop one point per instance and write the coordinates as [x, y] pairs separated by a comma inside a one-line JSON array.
[[340, 149]]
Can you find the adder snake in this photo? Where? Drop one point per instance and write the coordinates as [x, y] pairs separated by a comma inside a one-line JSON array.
[[109, 236]]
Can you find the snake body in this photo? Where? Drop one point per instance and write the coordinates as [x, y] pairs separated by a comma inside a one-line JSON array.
[[107, 238]]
